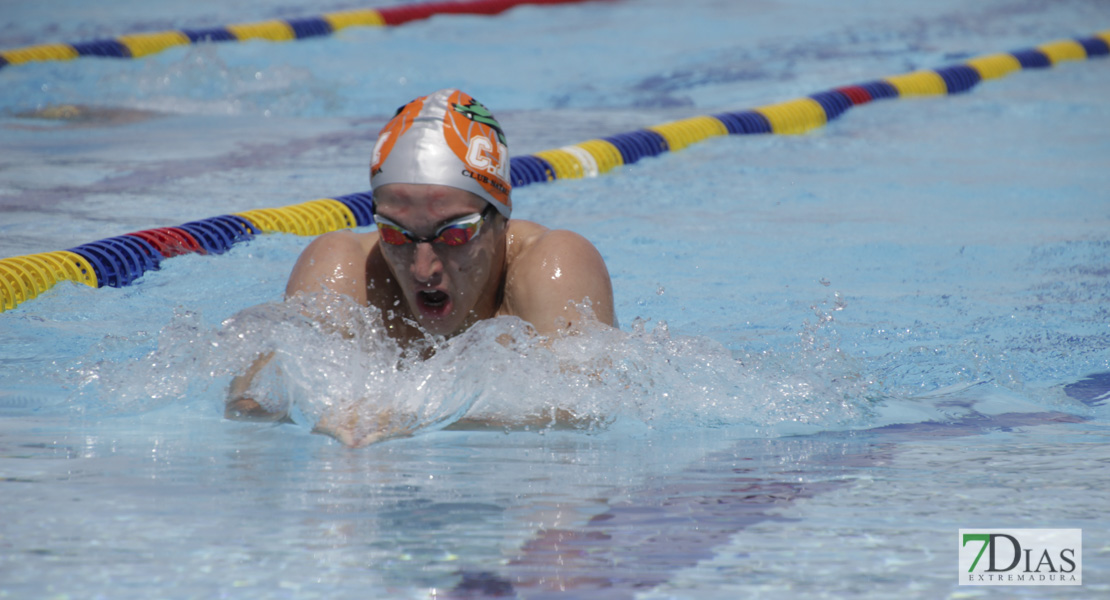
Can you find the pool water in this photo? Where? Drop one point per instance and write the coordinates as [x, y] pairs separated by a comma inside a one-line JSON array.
[[836, 349]]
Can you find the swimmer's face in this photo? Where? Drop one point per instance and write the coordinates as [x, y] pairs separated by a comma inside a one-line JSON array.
[[447, 288]]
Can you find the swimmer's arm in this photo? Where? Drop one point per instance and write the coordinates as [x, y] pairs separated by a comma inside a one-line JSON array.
[[555, 418], [240, 405], [333, 261], [561, 269]]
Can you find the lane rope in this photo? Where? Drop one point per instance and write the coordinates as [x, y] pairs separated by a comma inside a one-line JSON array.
[[138, 45], [121, 260]]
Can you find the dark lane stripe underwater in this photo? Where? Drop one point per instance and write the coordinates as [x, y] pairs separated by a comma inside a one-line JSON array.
[[677, 520]]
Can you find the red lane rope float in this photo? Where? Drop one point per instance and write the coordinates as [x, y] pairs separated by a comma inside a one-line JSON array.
[[137, 45], [170, 241], [121, 260]]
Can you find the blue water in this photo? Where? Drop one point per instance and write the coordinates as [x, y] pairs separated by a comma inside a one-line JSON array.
[[836, 349]]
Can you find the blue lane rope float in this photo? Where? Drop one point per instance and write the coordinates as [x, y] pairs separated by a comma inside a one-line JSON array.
[[121, 260], [137, 45]]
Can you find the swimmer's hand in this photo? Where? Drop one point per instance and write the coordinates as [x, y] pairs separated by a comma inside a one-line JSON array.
[[355, 431], [248, 409]]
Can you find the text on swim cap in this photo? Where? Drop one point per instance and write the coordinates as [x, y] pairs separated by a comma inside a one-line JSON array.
[[482, 178], [480, 155]]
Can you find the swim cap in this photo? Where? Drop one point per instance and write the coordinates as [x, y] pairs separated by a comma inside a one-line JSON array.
[[445, 138]]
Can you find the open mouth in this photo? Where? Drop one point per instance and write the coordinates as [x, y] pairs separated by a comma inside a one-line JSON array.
[[434, 302]]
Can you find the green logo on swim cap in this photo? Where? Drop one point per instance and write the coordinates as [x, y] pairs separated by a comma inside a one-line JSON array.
[[476, 112]]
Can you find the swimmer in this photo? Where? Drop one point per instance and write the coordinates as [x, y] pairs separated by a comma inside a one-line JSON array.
[[445, 254]]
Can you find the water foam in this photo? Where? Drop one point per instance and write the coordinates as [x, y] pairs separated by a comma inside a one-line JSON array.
[[334, 367]]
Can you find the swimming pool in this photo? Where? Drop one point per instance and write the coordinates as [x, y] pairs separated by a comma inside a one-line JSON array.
[[837, 349]]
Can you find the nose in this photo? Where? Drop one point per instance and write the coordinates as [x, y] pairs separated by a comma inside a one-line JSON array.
[[426, 265]]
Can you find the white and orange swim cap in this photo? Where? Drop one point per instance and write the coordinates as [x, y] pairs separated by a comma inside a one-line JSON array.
[[445, 138]]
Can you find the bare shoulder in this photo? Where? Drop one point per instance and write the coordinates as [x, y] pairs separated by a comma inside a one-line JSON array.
[[549, 252], [336, 261], [342, 241], [549, 271]]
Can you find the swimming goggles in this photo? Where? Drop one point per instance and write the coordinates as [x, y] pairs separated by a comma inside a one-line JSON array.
[[454, 233]]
